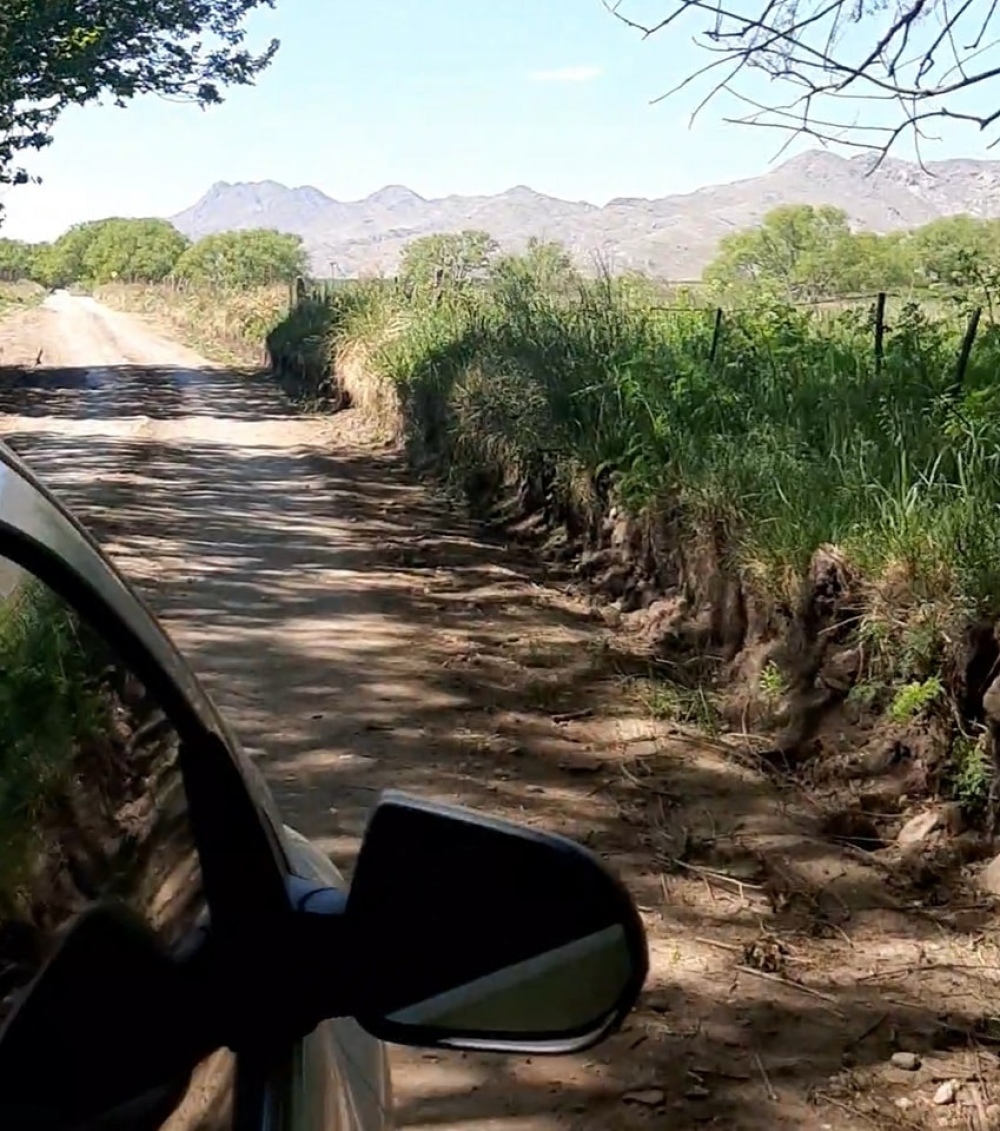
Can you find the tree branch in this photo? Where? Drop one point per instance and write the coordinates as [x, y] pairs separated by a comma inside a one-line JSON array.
[[914, 61]]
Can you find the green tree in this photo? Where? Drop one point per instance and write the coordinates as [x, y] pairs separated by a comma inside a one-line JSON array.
[[545, 264], [17, 260], [253, 258], [56, 53], [859, 263], [960, 256], [61, 263], [796, 248], [451, 259], [133, 251], [44, 268]]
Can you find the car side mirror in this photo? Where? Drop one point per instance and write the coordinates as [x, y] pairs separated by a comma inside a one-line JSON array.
[[474, 933]]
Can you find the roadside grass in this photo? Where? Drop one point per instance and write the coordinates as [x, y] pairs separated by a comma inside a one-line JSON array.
[[49, 705], [777, 435], [788, 439], [19, 296], [226, 326]]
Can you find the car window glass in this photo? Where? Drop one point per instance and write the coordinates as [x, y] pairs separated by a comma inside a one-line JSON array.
[[92, 805]]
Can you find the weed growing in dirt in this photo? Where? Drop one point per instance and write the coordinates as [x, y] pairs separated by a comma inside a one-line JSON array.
[[867, 693], [913, 699], [675, 703], [772, 683], [971, 774]]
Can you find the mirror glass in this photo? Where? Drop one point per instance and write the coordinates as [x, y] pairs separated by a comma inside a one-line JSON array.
[[92, 811], [477, 933], [569, 989]]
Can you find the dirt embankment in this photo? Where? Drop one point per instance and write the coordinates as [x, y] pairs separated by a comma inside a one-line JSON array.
[[360, 633], [887, 704], [789, 697]]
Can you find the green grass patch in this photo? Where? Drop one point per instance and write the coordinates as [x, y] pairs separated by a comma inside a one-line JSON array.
[[913, 699], [670, 702], [789, 438], [49, 704]]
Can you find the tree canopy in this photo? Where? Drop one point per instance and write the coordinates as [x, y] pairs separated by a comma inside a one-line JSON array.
[[151, 251], [16, 260], [59, 53], [802, 252], [104, 251], [796, 246], [545, 263], [449, 258], [862, 73], [244, 259], [132, 251]]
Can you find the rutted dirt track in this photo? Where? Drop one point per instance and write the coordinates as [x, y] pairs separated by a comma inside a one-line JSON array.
[[359, 636]]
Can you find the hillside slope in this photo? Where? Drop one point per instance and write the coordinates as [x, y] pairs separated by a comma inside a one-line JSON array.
[[673, 236]]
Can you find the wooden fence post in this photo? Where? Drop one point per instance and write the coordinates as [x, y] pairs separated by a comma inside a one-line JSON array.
[[879, 331], [716, 334], [966, 351]]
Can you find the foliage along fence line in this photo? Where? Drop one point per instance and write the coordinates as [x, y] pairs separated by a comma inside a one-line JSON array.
[[878, 320], [320, 290], [738, 443]]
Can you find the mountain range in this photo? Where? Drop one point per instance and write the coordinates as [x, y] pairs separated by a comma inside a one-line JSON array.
[[672, 236]]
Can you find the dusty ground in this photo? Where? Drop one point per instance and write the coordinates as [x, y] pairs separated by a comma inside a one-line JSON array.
[[360, 635]]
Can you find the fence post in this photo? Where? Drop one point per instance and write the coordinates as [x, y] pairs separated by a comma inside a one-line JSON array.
[[879, 331], [966, 351], [716, 334]]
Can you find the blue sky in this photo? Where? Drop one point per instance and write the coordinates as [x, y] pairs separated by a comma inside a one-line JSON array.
[[466, 96]]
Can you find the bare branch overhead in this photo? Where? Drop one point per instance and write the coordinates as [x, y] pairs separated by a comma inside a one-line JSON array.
[[863, 73]]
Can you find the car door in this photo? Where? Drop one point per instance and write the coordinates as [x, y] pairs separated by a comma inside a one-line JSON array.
[[120, 820], [337, 1077]]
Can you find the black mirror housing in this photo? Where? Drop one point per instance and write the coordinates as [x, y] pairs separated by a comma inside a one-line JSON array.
[[475, 933]]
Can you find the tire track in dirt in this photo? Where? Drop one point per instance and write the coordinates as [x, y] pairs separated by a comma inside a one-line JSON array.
[[360, 636]]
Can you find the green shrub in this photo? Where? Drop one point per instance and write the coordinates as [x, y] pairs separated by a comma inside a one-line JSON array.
[[788, 439], [913, 699]]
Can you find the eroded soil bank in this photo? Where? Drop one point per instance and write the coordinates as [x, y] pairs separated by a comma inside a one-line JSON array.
[[361, 634]]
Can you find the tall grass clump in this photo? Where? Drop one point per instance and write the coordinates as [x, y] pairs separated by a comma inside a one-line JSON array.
[[19, 295], [320, 348], [227, 325], [790, 437]]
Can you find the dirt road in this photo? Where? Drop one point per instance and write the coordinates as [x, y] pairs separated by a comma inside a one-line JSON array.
[[360, 636]]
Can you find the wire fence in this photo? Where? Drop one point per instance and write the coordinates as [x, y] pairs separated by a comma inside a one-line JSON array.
[[877, 301], [833, 302]]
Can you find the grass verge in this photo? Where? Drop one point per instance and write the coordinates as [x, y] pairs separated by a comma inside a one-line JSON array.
[[788, 439], [19, 296], [225, 326], [740, 452]]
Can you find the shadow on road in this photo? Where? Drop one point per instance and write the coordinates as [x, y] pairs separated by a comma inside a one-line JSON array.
[[124, 391]]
